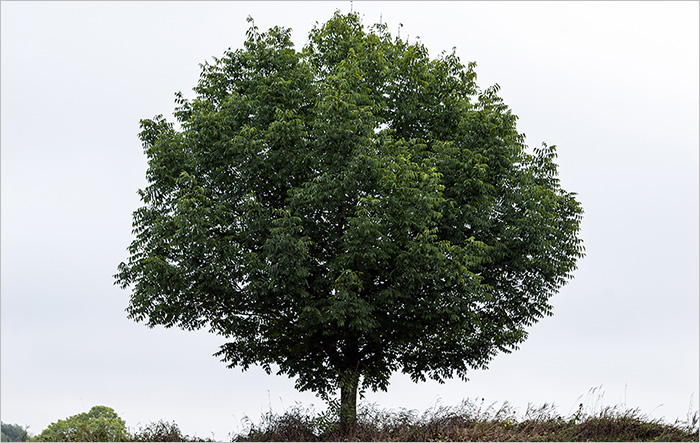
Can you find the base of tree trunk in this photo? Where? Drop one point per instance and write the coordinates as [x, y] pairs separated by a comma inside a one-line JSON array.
[[348, 403]]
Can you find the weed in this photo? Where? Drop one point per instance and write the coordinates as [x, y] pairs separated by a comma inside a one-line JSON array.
[[472, 422]]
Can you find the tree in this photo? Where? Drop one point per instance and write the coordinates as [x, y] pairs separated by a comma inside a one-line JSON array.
[[347, 211], [100, 424], [13, 432]]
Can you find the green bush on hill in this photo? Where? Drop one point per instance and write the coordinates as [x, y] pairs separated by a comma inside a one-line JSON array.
[[14, 433], [100, 424]]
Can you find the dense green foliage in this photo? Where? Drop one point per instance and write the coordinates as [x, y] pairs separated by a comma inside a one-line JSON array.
[[99, 424], [348, 211], [13, 433]]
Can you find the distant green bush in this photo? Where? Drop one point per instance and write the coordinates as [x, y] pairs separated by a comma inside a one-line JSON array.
[[100, 424], [13, 433]]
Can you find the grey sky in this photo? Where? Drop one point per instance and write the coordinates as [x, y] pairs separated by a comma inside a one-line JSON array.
[[613, 84]]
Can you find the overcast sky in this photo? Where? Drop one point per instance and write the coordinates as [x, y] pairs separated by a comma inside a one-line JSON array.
[[613, 85]]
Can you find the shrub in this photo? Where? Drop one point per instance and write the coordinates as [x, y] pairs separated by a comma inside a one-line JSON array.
[[14, 433], [100, 424], [162, 431]]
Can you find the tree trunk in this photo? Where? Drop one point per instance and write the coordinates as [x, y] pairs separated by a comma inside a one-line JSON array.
[[348, 402]]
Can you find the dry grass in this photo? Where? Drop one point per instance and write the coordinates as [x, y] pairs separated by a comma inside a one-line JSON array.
[[471, 422]]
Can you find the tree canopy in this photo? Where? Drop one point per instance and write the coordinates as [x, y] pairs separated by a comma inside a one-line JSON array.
[[101, 423], [13, 432], [347, 211]]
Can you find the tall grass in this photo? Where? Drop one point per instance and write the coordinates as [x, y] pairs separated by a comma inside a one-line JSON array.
[[162, 431], [471, 421]]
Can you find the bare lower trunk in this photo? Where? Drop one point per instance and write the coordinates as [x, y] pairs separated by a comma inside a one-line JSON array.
[[348, 402]]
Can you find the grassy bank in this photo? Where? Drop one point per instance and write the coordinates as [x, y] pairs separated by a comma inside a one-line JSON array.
[[472, 422]]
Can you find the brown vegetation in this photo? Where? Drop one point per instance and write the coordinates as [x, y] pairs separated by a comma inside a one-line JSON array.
[[470, 422]]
